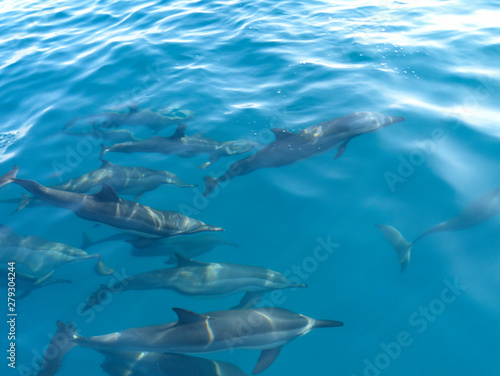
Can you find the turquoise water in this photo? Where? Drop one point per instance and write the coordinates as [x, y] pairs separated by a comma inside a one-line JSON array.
[[245, 67]]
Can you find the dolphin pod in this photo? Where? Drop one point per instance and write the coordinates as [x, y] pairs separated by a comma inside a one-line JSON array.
[[37, 257], [196, 278], [270, 329], [183, 146], [153, 120], [134, 181], [106, 207], [291, 147], [474, 214]]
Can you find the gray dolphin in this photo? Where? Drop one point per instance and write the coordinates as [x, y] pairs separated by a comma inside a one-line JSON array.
[[267, 329], [154, 120], [291, 147], [27, 283], [132, 363], [38, 257], [196, 278], [125, 180], [106, 207], [184, 146], [474, 214]]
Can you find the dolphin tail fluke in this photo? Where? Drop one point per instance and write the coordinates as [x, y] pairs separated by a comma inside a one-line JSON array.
[[7, 178], [267, 357], [210, 184], [398, 243], [61, 343]]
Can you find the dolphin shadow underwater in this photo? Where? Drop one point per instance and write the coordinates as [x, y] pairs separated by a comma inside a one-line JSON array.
[[38, 258], [125, 180], [477, 212], [196, 278], [106, 207], [291, 147], [270, 329], [184, 146]]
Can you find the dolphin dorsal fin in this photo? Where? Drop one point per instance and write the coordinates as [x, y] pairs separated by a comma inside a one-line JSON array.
[[188, 317], [185, 261], [106, 164], [281, 133], [132, 107], [180, 131], [107, 194]]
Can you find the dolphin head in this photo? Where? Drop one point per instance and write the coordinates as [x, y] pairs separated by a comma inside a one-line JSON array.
[[364, 122], [239, 146]]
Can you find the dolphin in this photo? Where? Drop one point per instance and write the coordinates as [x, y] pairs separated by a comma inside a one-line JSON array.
[[291, 147], [38, 257], [267, 329], [188, 246], [106, 207], [196, 278], [132, 363], [153, 120], [475, 213], [27, 283], [134, 181], [184, 146]]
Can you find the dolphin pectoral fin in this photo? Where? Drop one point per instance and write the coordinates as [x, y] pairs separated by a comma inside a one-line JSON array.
[[341, 149], [204, 165], [102, 269], [266, 358], [210, 185], [185, 261], [249, 300], [142, 242], [138, 197], [107, 194], [25, 201], [400, 245], [6, 178]]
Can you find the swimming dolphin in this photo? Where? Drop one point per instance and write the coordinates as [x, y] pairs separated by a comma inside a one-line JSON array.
[[474, 214], [187, 246], [196, 278], [132, 363], [37, 257], [267, 329], [291, 147], [106, 207], [154, 120], [184, 146], [27, 284], [125, 180]]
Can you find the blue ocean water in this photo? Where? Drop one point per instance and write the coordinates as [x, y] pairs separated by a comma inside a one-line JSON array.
[[245, 67]]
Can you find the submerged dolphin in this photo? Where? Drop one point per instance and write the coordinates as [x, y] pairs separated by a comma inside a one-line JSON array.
[[291, 147], [106, 207], [474, 214], [27, 284], [154, 120], [132, 363], [37, 257], [196, 278], [125, 180], [184, 146], [267, 329]]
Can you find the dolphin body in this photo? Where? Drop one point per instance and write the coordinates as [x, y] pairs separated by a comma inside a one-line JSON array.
[[267, 329], [153, 120], [184, 146], [113, 136], [475, 213], [196, 278], [188, 246], [125, 180], [106, 207], [37, 257], [291, 147], [131, 363], [27, 284]]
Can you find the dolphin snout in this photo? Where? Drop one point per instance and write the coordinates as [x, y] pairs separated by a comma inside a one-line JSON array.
[[397, 119]]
